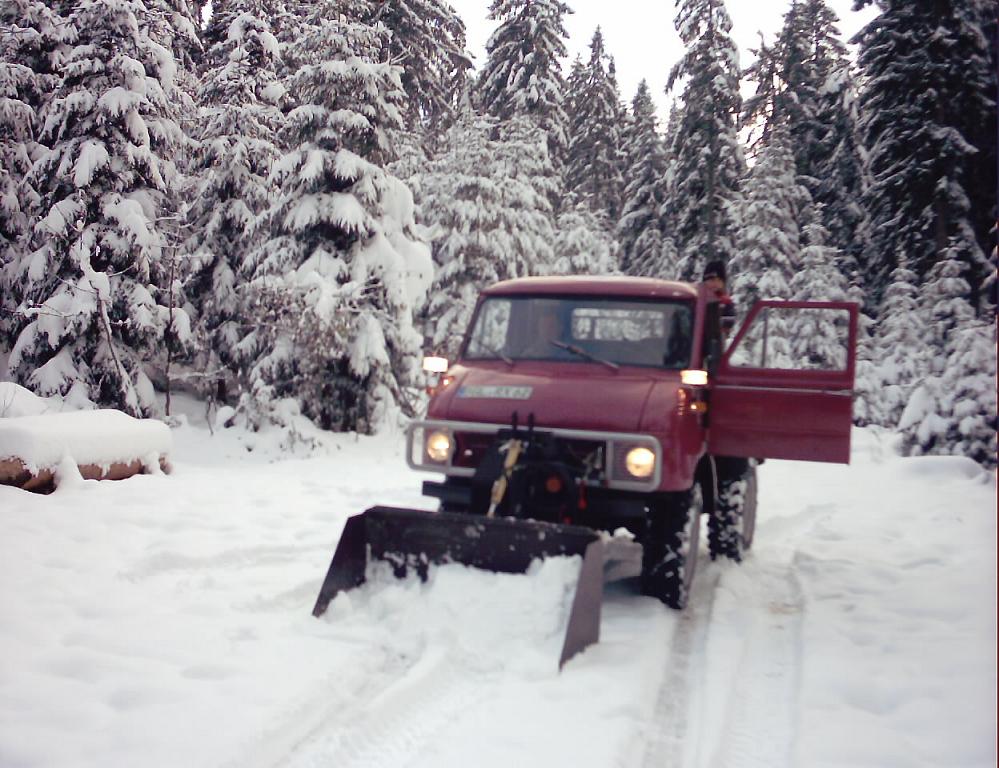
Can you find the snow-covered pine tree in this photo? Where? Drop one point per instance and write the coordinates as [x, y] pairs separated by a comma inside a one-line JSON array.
[[176, 24], [668, 263], [460, 203], [523, 71], [639, 230], [90, 282], [428, 42], [489, 218], [239, 116], [574, 84], [970, 382], [582, 245], [594, 161], [990, 288], [214, 32], [805, 85], [335, 281], [769, 245], [29, 42], [945, 306], [789, 75], [707, 161], [817, 338], [980, 130], [523, 159], [868, 385], [837, 181], [953, 410], [901, 343], [760, 110], [928, 111], [817, 278]]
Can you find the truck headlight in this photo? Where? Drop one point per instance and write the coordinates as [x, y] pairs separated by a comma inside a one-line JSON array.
[[640, 462], [438, 446]]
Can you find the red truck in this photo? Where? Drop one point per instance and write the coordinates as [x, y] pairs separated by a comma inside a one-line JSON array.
[[604, 417]]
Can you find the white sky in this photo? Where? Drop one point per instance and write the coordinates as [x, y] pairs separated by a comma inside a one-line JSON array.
[[641, 37]]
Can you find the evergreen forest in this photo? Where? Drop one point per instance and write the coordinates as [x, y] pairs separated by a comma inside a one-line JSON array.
[[280, 205]]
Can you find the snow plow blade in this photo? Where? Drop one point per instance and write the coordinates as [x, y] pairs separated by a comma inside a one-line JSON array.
[[412, 540]]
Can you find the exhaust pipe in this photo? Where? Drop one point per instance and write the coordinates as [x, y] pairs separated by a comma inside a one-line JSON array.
[[413, 540]]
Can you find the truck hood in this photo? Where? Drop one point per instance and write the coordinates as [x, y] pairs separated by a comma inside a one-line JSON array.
[[569, 396]]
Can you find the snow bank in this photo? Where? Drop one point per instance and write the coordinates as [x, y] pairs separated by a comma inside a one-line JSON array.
[[171, 626], [100, 438], [15, 401], [878, 581]]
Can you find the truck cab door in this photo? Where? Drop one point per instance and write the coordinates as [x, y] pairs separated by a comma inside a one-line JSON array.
[[783, 389]]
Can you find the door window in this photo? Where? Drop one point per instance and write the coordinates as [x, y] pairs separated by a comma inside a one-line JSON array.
[[796, 338]]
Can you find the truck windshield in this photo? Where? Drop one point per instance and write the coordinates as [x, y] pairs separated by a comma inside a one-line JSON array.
[[648, 333]]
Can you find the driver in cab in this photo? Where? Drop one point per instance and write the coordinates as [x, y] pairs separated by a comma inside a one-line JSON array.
[[548, 328]]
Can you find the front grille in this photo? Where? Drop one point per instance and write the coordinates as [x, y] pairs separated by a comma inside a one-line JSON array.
[[580, 455], [599, 456], [471, 448]]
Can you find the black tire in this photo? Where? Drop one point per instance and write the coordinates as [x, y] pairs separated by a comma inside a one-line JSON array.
[[733, 522], [669, 554]]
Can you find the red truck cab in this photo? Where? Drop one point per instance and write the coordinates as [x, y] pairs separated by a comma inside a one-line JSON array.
[[617, 401]]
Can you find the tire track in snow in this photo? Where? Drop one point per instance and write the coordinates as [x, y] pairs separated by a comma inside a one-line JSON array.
[[741, 633], [393, 727], [758, 652], [340, 695], [681, 727], [675, 715], [759, 725], [381, 713]]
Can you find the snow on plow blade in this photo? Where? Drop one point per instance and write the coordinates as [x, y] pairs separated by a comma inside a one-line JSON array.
[[411, 539]]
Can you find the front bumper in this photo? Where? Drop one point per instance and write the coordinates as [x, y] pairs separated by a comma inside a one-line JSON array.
[[614, 446]]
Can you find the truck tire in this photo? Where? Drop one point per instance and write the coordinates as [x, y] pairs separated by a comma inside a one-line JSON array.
[[731, 525], [669, 554]]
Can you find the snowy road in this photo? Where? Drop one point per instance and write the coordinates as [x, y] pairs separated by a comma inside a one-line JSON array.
[[164, 621]]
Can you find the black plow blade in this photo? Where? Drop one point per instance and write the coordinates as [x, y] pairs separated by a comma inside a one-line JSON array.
[[412, 540]]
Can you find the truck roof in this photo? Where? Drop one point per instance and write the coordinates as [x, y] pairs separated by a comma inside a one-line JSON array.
[[638, 287]]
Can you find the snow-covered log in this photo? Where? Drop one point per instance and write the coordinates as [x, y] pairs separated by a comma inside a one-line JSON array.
[[39, 452]]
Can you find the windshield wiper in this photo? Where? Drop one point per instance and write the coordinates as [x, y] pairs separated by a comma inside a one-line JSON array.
[[583, 353], [505, 358]]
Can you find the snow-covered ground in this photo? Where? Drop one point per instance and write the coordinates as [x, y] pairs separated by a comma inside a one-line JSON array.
[[165, 620]]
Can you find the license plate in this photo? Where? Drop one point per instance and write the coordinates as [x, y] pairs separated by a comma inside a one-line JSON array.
[[496, 392]]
